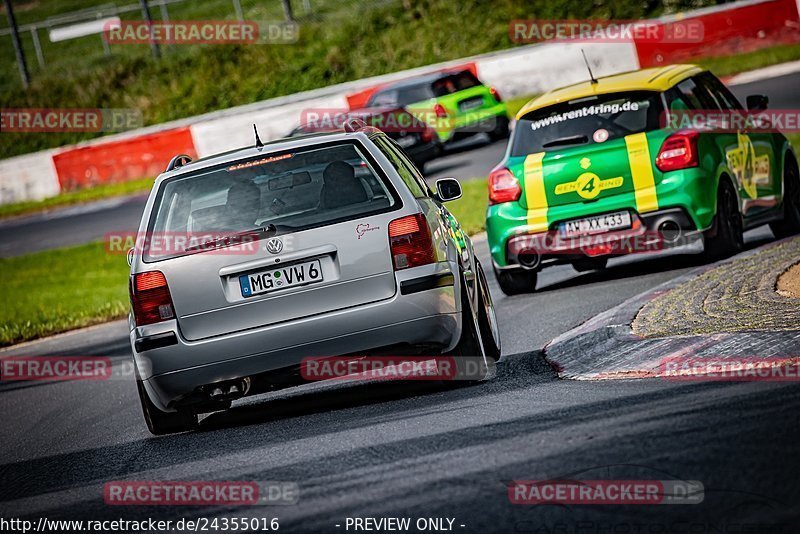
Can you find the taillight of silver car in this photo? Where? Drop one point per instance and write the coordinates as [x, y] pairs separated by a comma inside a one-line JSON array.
[[150, 298], [410, 241]]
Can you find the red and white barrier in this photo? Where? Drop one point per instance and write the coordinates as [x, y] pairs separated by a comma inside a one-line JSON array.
[[728, 29], [28, 177], [121, 160]]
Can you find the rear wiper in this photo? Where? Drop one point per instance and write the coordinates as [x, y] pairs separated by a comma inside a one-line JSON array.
[[234, 239], [571, 140]]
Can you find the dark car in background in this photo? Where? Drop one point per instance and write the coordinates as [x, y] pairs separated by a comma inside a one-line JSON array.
[[418, 140], [457, 104]]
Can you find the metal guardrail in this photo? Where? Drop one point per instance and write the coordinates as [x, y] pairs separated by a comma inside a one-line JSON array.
[[83, 15]]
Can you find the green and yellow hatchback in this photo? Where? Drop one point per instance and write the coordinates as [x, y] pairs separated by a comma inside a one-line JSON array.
[[598, 169]]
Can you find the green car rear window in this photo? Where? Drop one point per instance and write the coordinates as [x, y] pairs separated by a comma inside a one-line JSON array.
[[402, 96], [595, 119], [455, 83], [405, 95]]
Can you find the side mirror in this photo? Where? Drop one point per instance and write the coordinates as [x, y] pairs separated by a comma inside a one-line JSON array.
[[448, 189], [757, 102], [130, 256]]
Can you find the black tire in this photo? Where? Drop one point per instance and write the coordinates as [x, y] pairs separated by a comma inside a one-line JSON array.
[[589, 264], [468, 343], [471, 366], [729, 237], [160, 423], [500, 130], [516, 282], [486, 318], [790, 225]]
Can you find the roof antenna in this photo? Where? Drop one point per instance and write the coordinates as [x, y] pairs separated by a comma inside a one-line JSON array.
[[259, 144], [594, 80]]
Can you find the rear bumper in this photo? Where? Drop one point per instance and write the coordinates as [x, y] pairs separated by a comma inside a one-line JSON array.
[[482, 120], [173, 374], [532, 251], [690, 193]]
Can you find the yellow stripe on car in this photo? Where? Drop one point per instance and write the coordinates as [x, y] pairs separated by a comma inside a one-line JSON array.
[[644, 184], [535, 196]]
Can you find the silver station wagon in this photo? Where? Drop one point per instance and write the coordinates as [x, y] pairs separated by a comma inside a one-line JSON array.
[[323, 245]]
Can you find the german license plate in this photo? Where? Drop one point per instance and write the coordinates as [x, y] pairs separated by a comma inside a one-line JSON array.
[[599, 223], [470, 103], [295, 275]]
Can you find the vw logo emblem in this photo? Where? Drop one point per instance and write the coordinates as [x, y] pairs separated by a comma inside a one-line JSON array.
[[274, 245]]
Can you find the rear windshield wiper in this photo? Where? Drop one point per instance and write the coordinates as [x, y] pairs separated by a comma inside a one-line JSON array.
[[235, 238], [571, 140]]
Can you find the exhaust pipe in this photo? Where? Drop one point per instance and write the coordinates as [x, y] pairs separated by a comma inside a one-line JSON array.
[[529, 259], [229, 390], [670, 230]]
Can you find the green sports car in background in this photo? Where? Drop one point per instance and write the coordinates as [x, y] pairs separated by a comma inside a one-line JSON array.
[[456, 104], [593, 171]]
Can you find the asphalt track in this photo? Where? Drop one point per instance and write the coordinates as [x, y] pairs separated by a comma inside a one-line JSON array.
[[422, 451]]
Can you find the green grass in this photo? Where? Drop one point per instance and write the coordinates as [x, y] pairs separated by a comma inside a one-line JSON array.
[[58, 290], [727, 65], [77, 197], [470, 209], [513, 105], [334, 47]]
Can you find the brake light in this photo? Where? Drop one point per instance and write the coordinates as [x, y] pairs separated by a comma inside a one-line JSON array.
[[426, 135], [410, 242], [503, 186], [679, 151], [495, 94], [150, 298], [440, 111]]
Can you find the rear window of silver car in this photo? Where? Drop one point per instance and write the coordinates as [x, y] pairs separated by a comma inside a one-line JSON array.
[[306, 188]]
